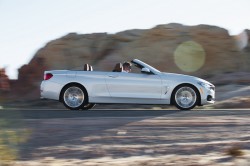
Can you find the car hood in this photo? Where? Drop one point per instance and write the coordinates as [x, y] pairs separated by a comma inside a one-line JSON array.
[[182, 77]]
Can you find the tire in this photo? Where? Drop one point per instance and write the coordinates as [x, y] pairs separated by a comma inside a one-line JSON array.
[[185, 97], [88, 106], [74, 97]]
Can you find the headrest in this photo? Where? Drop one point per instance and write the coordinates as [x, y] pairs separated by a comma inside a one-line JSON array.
[[118, 68], [86, 67], [90, 68]]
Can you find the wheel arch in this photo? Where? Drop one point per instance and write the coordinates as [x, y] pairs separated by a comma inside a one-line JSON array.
[[70, 84], [183, 84]]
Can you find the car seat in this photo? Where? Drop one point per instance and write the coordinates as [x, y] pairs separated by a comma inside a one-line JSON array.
[[118, 68]]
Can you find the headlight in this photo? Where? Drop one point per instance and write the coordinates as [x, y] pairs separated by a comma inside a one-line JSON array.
[[205, 85]]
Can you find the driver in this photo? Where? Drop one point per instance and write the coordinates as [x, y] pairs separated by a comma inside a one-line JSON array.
[[126, 67]]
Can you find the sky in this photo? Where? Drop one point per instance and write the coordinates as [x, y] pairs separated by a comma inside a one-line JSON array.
[[27, 25]]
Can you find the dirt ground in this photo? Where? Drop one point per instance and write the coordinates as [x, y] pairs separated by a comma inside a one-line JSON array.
[[185, 138]]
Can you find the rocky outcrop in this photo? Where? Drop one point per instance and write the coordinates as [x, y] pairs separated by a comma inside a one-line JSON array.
[[73, 50], [164, 46], [29, 80], [4, 81], [247, 48], [201, 50], [246, 51], [243, 44]]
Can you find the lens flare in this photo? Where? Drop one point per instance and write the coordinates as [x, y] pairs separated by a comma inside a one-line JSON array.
[[189, 56]]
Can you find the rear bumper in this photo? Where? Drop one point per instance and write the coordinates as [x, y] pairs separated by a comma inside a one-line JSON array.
[[50, 90]]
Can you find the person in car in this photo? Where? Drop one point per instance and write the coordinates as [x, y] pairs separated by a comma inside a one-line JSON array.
[[126, 67]]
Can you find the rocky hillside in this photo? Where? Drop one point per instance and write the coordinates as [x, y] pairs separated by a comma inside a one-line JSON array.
[[246, 50], [209, 49], [201, 50], [4, 81]]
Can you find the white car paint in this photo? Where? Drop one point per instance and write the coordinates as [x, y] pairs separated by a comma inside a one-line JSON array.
[[122, 87]]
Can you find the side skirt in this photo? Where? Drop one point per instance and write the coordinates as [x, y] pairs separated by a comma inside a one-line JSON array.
[[115, 100]]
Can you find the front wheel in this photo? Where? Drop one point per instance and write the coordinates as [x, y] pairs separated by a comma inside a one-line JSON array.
[[185, 97]]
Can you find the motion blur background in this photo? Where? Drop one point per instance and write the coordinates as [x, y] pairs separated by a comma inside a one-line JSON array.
[[209, 39]]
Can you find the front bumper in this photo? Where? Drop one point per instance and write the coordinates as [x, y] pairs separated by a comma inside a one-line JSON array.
[[207, 95]]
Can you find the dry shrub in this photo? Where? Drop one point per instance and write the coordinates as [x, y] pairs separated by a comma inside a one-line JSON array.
[[235, 151]]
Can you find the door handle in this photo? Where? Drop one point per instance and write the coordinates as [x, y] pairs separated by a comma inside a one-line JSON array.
[[113, 76]]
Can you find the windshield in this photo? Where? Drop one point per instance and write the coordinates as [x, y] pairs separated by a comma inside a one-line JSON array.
[[142, 64]]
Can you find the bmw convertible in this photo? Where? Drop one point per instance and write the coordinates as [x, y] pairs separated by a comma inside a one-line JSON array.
[[82, 89]]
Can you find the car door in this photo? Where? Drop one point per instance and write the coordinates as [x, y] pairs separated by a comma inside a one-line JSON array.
[[94, 82], [133, 85]]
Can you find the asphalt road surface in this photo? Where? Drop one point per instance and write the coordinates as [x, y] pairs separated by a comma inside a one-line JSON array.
[[65, 113], [129, 137]]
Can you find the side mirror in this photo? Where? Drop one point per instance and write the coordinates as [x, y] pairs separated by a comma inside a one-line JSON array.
[[145, 70]]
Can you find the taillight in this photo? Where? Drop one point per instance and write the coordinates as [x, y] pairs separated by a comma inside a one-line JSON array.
[[48, 76]]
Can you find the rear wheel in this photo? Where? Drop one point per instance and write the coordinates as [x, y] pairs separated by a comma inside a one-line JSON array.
[[74, 97], [185, 97]]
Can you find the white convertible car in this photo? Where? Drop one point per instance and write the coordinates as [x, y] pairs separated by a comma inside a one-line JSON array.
[[82, 89]]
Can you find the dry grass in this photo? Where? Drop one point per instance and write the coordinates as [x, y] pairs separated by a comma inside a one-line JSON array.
[[235, 151], [10, 139]]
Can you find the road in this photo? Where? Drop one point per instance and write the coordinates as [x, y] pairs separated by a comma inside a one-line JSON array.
[[64, 113], [130, 137]]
